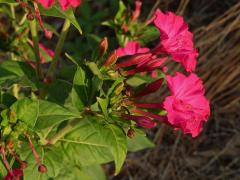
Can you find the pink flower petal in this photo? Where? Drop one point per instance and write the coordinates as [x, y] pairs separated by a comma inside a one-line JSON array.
[[187, 107]]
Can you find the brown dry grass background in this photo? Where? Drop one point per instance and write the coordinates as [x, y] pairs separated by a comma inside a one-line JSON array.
[[215, 154]]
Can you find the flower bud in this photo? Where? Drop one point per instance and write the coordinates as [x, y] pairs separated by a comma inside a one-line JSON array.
[[137, 11], [30, 16], [124, 28], [103, 46], [111, 59], [42, 168], [23, 164], [119, 88], [48, 34], [131, 133], [10, 144]]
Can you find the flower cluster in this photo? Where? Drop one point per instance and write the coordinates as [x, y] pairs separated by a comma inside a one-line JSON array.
[[186, 108]]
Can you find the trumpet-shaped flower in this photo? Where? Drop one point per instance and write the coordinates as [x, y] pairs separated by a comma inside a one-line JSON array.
[[187, 107], [176, 39]]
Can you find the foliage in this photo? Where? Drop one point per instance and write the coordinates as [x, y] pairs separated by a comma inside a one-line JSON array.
[[66, 114]]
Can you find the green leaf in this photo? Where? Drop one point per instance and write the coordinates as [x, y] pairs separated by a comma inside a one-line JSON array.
[[104, 106], [7, 99], [150, 33], [8, 1], [3, 171], [139, 142], [139, 79], [93, 142], [56, 11], [79, 91], [17, 71], [60, 92], [39, 114], [94, 68], [87, 173], [118, 144], [121, 11]]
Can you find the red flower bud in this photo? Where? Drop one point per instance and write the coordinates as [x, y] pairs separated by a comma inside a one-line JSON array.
[[42, 168], [111, 59], [137, 11], [30, 16], [23, 165], [103, 46], [131, 133]]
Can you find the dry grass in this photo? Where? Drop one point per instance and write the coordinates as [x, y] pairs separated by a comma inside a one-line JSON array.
[[215, 154]]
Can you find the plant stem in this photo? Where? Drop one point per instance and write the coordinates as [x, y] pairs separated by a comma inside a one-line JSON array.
[[63, 131], [34, 32], [13, 11], [58, 49]]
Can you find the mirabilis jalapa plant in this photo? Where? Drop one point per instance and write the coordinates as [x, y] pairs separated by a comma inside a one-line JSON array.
[[54, 125]]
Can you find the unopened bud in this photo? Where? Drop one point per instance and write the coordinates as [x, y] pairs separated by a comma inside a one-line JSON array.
[[48, 80], [48, 34], [10, 144], [131, 133], [124, 28], [119, 88], [30, 16], [137, 11], [103, 46], [23, 164], [165, 69], [111, 59], [42, 168]]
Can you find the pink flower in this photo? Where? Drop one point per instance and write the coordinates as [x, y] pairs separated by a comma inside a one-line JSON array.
[[176, 39], [15, 174], [131, 48], [65, 4], [187, 107]]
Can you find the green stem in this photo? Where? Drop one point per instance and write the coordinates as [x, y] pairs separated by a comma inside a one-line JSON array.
[[63, 131], [34, 32], [13, 11], [58, 49]]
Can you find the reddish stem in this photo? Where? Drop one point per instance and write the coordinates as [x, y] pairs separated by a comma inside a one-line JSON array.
[[3, 154], [37, 157]]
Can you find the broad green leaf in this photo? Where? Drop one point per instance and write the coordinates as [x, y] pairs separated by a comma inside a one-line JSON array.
[[93, 142], [94, 172], [56, 11], [118, 146], [17, 71], [80, 91], [7, 99], [139, 142], [39, 114], [60, 92]]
